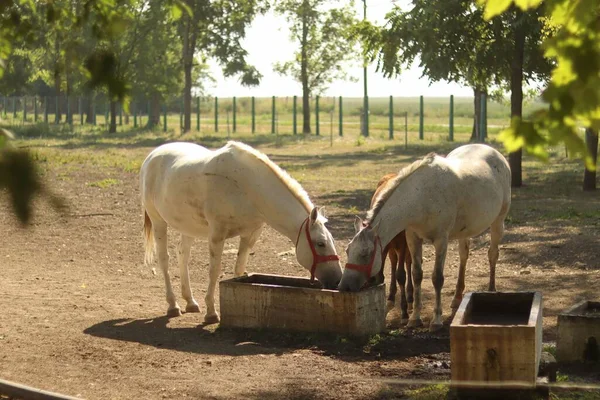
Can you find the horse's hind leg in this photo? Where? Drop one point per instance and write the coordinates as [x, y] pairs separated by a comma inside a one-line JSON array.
[[401, 276], [246, 244], [463, 252], [215, 247], [496, 233], [160, 236], [415, 246], [186, 290], [441, 247]]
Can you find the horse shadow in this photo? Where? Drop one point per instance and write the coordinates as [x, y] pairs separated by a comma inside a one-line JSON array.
[[201, 339]]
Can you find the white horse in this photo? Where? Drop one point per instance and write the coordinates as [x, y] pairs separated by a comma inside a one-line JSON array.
[[232, 191], [435, 199]]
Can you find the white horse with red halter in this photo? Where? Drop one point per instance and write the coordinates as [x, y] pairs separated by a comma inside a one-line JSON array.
[[229, 192], [436, 199]]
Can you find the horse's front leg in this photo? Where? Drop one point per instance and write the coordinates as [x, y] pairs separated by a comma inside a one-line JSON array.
[[393, 287], [246, 244], [441, 247], [215, 247], [415, 245], [186, 290]]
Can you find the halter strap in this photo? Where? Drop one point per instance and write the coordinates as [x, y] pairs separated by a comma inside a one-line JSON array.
[[317, 258], [366, 268]]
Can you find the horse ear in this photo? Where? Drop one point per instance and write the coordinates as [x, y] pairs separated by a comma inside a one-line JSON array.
[[314, 214], [358, 224]]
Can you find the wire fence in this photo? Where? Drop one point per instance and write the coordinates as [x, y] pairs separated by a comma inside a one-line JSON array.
[[392, 117]]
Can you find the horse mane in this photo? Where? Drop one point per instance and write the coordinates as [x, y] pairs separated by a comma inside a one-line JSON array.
[[294, 187], [391, 185]]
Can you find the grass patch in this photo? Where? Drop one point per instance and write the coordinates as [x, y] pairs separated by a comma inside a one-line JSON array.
[[105, 183], [431, 392]]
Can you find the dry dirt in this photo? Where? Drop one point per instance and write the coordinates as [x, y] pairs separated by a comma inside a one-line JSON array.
[[83, 316]]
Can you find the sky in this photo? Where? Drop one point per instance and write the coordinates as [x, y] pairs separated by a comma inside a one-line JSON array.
[[267, 42]]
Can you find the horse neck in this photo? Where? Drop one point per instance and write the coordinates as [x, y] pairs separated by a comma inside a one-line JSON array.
[[280, 207], [395, 216]]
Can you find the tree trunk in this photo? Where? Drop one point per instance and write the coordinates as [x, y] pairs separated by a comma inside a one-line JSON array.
[[154, 117], [89, 112], [188, 57], [57, 115], [589, 177], [113, 117], [304, 71], [516, 95], [477, 113]]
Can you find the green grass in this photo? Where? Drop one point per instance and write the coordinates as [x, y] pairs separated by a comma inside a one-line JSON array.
[[105, 183]]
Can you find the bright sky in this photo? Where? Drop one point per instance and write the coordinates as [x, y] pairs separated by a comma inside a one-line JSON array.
[[267, 42]]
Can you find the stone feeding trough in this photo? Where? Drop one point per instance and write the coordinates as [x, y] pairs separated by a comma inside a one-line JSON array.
[[579, 333], [497, 337], [292, 303]]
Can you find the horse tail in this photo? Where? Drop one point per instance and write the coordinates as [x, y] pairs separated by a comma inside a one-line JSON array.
[[149, 244]]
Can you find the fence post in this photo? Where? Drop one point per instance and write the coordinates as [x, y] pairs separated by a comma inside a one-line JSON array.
[[45, 109], [80, 111], [341, 118], [106, 113], [198, 114], [216, 114], [273, 114], [234, 112], [421, 127], [391, 136], [14, 108], [181, 114], [149, 112], [24, 109], [5, 105], [134, 106], [253, 116], [317, 128], [94, 110], [405, 130], [451, 122], [482, 119], [35, 109], [69, 115], [294, 116], [120, 114], [165, 117], [56, 109]]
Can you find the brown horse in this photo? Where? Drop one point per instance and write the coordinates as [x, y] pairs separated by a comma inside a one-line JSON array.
[[399, 255]]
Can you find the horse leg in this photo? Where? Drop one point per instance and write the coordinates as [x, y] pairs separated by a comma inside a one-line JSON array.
[[215, 247], [415, 245], [246, 244], [441, 247], [496, 233], [162, 254], [393, 288], [186, 290], [401, 276], [463, 252]]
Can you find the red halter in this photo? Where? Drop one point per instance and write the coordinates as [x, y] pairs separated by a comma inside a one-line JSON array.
[[366, 268], [317, 258]]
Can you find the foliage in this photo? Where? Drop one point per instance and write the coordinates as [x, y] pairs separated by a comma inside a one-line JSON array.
[[573, 93], [329, 44]]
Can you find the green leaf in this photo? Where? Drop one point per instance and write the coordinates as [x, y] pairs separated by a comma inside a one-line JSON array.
[[495, 7], [527, 4], [176, 11]]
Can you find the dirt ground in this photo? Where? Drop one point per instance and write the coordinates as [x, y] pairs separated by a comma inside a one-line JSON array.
[[84, 316]]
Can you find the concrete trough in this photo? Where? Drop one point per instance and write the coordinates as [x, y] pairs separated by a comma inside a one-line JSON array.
[[264, 301], [579, 333], [497, 337]]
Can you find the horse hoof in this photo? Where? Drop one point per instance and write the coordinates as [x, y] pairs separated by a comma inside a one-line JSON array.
[[435, 327], [403, 321], [211, 319], [414, 323], [173, 312], [192, 308]]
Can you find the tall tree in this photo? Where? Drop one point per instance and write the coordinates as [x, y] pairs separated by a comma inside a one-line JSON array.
[[325, 44], [216, 29], [463, 48], [589, 175]]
